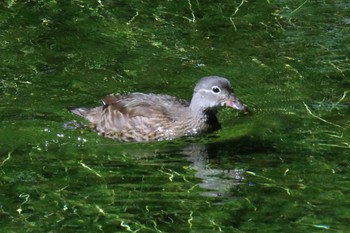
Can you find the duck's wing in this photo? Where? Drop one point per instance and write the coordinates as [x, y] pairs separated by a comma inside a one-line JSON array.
[[137, 116], [146, 112], [144, 105]]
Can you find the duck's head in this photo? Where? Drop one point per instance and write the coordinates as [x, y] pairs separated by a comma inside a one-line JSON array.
[[213, 91]]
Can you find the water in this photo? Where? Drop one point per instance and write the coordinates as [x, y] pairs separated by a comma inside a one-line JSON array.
[[282, 168]]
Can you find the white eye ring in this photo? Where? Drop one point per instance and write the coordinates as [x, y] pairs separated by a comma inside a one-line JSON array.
[[215, 90]]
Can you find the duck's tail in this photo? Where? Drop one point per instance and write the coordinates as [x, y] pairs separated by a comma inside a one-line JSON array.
[[91, 114], [79, 111]]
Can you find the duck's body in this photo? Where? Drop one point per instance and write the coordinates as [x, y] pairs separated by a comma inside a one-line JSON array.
[[145, 117]]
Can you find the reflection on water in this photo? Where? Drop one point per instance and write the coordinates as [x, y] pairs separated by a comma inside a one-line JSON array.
[[215, 181]]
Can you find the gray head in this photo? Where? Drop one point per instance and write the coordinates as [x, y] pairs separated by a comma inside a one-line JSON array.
[[213, 91]]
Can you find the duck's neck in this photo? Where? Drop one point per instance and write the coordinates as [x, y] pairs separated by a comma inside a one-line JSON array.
[[204, 114], [198, 111], [204, 119]]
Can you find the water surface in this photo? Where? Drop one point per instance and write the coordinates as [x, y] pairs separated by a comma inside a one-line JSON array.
[[282, 168]]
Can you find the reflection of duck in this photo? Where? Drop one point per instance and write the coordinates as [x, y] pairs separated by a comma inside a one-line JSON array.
[[145, 117], [215, 181]]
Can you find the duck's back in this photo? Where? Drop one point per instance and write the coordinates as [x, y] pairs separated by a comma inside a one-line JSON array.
[[147, 105], [139, 117]]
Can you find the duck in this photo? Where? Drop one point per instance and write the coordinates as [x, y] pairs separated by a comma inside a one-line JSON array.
[[140, 117]]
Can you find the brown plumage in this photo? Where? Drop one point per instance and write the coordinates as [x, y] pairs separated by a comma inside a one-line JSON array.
[[145, 117]]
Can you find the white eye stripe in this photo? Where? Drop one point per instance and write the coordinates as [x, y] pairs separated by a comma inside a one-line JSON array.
[[215, 90]]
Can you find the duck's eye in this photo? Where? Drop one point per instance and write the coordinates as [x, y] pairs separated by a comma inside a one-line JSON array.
[[215, 90]]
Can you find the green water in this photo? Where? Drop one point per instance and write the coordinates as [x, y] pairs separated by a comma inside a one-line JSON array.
[[282, 168]]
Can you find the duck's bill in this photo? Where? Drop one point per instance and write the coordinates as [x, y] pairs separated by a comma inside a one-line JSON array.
[[233, 102]]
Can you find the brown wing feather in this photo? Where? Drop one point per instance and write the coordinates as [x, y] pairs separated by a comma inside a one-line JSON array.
[[147, 113], [147, 105]]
